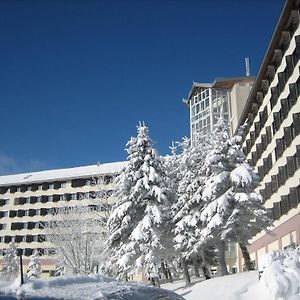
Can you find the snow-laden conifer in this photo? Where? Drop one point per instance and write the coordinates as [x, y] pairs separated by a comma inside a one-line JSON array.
[[34, 266], [233, 210], [187, 210], [137, 220], [10, 265]]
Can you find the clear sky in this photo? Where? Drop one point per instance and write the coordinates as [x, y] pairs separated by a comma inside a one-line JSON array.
[[76, 76]]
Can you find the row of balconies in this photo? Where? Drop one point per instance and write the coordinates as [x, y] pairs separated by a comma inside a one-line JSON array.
[[286, 203]]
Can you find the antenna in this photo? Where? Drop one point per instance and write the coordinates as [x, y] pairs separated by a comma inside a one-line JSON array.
[[247, 66]]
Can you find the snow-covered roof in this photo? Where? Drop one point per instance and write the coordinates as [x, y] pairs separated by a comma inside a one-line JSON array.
[[62, 174]]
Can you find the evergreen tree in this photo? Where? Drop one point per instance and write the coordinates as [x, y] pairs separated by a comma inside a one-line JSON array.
[[137, 220], [10, 267], [188, 208], [34, 266], [233, 210]]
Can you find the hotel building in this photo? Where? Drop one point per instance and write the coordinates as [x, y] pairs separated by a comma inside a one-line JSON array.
[[206, 101], [26, 201], [272, 142]]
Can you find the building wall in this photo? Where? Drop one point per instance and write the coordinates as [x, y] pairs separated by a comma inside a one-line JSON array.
[[272, 142], [238, 97], [25, 207]]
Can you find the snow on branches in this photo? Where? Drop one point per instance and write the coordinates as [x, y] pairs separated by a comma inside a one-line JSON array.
[[135, 225]]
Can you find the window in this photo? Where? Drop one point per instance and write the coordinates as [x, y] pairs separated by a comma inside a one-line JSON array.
[[296, 122], [279, 148], [276, 211], [269, 134], [274, 183], [287, 136], [77, 183], [284, 205], [293, 200], [290, 166], [45, 186], [4, 202], [51, 186]]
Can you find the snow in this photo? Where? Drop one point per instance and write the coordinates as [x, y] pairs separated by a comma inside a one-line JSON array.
[[281, 276], [243, 286], [85, 287], [49, 175]]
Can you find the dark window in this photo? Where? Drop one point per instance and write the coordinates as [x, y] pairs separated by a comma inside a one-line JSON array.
[[28, 252], [276, 122], [44, 211], [287, 136], [259, 150], [13, 189], [29, 238], [284, 108], [21, 213], [31, 225], [18, 238], [33, 200], [279, 148], [296, 122], [3, 190], [44, 199], [293, 200], [34, 187], [31, 212], [12, 213], [57, 185], [274, 183], [284, 205], [281, 176], [45, 186], [78, 183], [269, 134], [268, 191], [276, 211], [7, 239], [290, 166]]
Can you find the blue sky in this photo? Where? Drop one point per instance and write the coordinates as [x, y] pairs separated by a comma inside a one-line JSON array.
[[77, 76]]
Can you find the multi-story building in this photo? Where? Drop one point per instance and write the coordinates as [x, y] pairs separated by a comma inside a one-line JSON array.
[[272, 142], [27, 199], [207, 101]]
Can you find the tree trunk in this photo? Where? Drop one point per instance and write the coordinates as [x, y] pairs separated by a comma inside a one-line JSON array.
[[196, 267], [170, 275], [206, 272], [248, 263], [125, 276], [221, 258], [185, 271], [163, 269]]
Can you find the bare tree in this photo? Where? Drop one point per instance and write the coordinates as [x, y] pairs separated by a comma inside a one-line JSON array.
[[77, 236]]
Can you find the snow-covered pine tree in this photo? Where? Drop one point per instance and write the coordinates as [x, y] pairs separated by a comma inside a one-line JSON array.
[[34, 266], [137, 220], [215, 193], [10, 266], [187, 210], [248, 216], [234, 211]]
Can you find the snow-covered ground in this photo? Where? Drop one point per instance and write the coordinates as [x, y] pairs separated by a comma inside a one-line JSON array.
[[243, 286], [83, 288]]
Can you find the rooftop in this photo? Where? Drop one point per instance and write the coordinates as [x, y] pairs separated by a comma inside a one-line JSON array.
[[219, 83], [63, 174]]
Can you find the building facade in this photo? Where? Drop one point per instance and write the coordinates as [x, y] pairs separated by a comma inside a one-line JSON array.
[[272, 142], [207, 101], [27, 199]]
